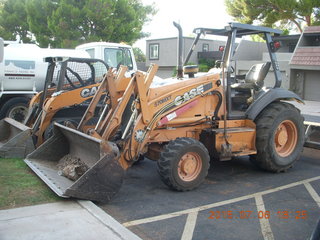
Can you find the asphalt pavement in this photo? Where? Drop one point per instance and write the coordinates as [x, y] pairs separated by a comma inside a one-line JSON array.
[[236, 201]]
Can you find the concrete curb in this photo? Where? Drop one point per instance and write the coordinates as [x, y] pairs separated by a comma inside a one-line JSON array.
[[116, 227]]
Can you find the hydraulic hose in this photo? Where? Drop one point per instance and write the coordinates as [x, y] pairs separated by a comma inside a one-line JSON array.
[[216, 111]]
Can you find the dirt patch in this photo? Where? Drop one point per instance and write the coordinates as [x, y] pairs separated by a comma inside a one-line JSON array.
[[72, 167]]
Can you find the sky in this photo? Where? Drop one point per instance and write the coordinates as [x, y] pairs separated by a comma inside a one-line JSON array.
[[189, 14]]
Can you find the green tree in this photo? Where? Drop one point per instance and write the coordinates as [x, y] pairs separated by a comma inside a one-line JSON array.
[[78, 21], [295, 12], [139, 55], [67, 23], [317, 18], [13, 21], [38, 12]]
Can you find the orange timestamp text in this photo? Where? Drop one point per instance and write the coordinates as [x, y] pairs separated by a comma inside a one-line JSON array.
[[247, 214]]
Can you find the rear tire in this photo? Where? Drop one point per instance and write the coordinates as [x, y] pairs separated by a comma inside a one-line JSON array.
[[15, 108], [183, 164], [280, 137]]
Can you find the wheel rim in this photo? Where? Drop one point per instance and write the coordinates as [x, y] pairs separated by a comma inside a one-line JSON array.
[[18, 113], [286, 138], [189, 166]]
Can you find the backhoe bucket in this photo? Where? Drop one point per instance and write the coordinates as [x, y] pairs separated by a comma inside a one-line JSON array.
[[74, 164], [15, 139]]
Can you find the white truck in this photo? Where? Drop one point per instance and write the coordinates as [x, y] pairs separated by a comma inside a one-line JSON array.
[[23, 71], [114, 54]]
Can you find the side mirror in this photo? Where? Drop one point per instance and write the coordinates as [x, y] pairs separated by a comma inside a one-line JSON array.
[[1, 49]]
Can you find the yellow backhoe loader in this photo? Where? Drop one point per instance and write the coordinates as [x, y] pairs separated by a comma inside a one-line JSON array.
[[181, 125]]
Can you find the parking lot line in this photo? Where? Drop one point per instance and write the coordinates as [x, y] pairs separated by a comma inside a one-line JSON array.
[[189, 226], [313, 193], [217, 204], [264, 222]]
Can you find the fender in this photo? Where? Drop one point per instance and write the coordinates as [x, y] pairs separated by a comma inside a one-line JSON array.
[[269, 96]]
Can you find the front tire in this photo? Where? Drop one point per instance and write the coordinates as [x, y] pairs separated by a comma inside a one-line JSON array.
[[280, 137], [183, 164]]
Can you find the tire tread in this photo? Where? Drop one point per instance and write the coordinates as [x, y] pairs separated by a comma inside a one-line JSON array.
[[169, 155], [264, 123]]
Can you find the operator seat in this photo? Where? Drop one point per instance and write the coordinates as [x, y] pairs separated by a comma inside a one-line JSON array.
[[243, 92], [254, 78]]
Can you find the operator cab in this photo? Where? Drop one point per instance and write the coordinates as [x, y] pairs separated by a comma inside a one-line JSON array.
[[242, 90]]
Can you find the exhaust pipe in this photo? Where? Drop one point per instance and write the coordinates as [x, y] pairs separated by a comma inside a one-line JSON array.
[[58, 161], [180, 46], [15, 139]]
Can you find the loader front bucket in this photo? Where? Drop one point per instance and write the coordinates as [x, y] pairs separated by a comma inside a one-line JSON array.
[[60, 159], [15, 139]]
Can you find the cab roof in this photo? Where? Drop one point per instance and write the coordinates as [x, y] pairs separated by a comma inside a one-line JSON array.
[[242, 30], [103, 44]]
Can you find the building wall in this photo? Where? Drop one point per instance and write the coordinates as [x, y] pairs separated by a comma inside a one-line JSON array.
[[306, 83], [249, 51], [281, 56], [168, 54], [311, 85], [305, 65], [213, 46]]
